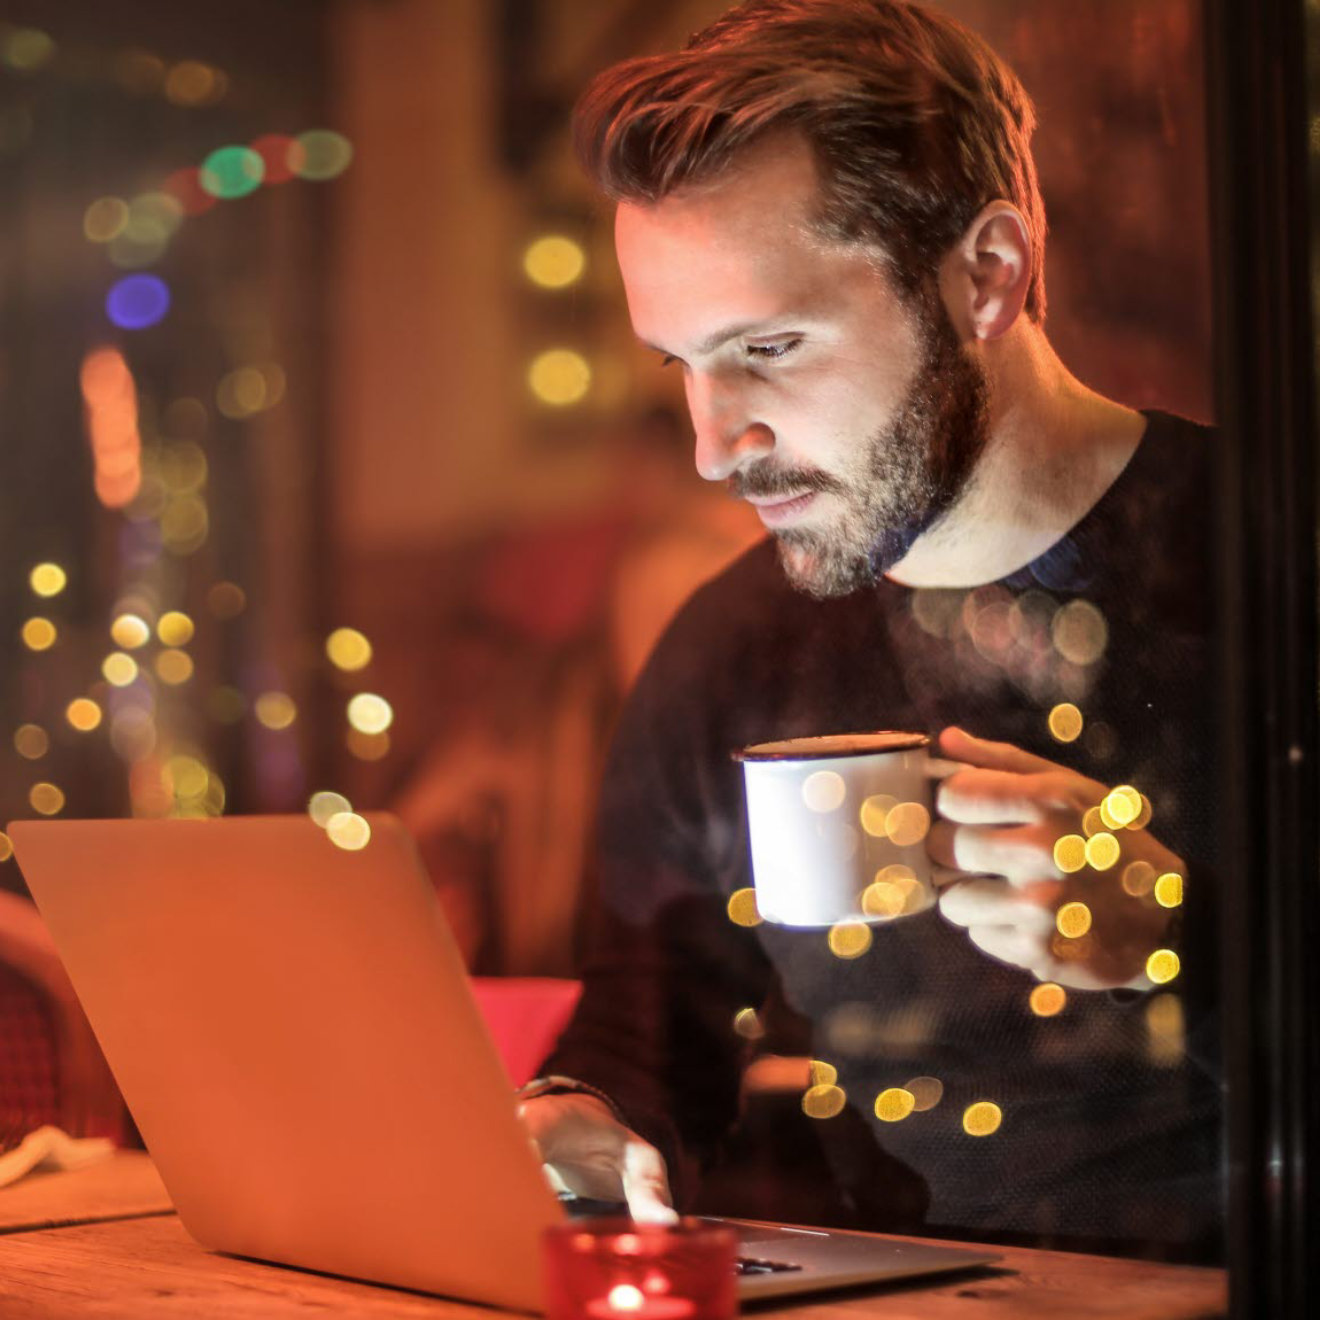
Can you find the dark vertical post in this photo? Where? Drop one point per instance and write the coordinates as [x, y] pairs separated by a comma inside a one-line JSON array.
[[1267, 473]]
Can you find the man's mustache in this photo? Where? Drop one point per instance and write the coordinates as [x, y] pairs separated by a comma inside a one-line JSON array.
[[767, 482]]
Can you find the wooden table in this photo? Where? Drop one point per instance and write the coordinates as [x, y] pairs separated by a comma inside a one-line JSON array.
[[144, 1266]]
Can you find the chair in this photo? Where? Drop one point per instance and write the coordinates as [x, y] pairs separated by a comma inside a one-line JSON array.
[[525, 1015], [51, 1068]]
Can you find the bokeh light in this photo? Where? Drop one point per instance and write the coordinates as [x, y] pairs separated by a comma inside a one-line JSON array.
[[232, 172], [105, 219], [83, 714], [369, 713], [1166, 1030], [6, 847], [1102, 851], [139, 72], [183, 467], [1073, 920], [185, 417], [186, 778], [348, 650], [894, 891], [119, 669], [153, 219], [1122, 806], [110, 395], [982, 1119], [321, 807], [907, 823], [825, 1101], [747, 1024], [192, 83], [38, 634], [926, 1092], [320, 154], [275, 710], [348, 831], [130, 631], [894, 1104], [185, 186], [873, 813], [367, 746], [137, 302], [1065, 722], [184, 525], [174, 666], [1138, 878], [1169, 890], [742, 908], [824, 791], [1162, 966], [242, 393], [46, 799], [554, 261], [48, 580], [849, 939], [1079, 632], [822, 1073], [174, 628], [559, 377], [226, 600], [275, 150], [25, 49], [1093, 822], [1070, 853], [1048, 999], [133, 733], [1144, 816], [31, 741]]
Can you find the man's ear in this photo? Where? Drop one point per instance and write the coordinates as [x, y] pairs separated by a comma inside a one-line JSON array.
[[984, 278]]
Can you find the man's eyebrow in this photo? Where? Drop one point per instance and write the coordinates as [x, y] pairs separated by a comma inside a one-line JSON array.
[[718, 339]]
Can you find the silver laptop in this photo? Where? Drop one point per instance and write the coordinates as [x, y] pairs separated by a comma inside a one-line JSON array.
[[292, 1028]]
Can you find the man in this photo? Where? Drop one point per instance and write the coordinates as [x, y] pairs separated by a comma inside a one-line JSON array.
[[828, 220]]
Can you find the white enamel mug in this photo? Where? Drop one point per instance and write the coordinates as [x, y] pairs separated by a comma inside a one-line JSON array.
[[838, 826]]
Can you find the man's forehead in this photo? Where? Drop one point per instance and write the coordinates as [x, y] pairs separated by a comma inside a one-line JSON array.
[[772, 188]]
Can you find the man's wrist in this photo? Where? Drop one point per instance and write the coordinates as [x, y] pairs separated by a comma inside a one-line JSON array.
[[554, 1084]]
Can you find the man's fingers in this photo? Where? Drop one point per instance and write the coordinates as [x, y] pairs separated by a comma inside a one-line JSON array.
[[1022, 854], [1012, 945], [962, 746], [988, 901], [992, 797], [646, 1183]]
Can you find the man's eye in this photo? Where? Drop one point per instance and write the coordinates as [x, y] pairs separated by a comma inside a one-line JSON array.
[[769, 352]]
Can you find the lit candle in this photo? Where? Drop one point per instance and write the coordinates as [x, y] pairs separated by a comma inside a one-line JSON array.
[[626, 1301], [615, 1269]]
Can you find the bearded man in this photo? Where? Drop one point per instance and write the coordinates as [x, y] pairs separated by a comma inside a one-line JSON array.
[[828, 220]]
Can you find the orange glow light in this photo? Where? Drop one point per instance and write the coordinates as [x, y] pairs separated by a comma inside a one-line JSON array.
[[112, 426]]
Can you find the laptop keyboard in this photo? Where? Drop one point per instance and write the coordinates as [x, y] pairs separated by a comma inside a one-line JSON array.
[[751, 1265]]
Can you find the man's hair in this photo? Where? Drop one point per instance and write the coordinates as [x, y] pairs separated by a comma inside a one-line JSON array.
[[914, 122]]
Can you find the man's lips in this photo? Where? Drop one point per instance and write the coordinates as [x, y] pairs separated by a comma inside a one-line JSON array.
[[777, 510]]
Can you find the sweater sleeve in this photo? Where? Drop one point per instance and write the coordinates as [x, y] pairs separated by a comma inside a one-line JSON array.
[[665, 972]]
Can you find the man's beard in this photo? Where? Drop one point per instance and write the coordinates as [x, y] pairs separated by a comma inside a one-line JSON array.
[[909, 474]]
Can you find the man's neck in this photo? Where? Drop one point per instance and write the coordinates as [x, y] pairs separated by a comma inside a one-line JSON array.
[[1054, 448]]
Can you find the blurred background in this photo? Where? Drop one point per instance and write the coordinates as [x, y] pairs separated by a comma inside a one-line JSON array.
[[328, 463]]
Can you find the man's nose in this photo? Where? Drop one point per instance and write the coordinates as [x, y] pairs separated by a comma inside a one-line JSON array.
[[728, 437]]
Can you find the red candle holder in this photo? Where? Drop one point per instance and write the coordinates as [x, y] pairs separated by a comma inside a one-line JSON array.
[[615, 1269]]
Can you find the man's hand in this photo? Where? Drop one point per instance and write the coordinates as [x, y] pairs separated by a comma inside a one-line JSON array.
[[588, 1152], [999, 820]]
